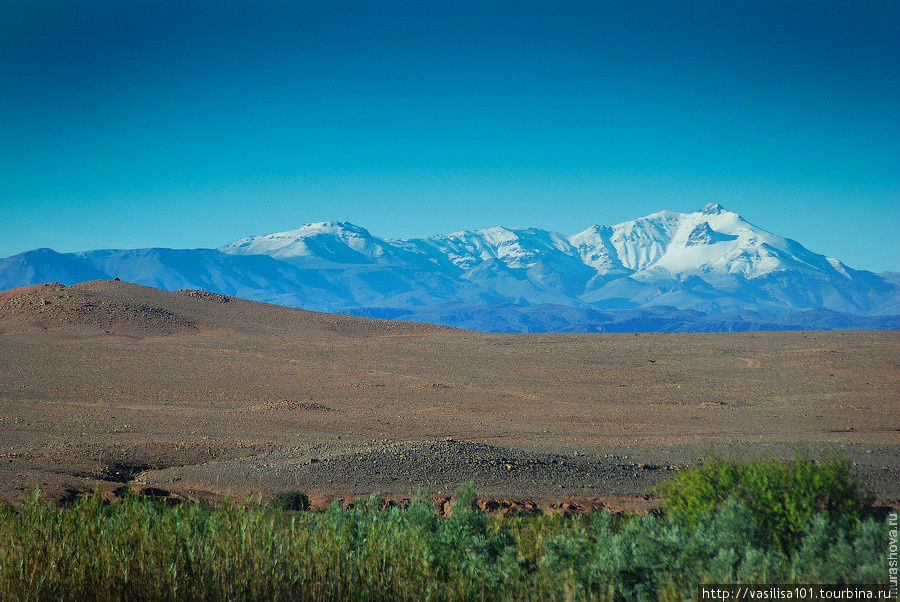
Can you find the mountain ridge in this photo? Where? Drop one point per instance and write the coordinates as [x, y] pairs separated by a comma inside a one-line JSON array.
[[710, 261]]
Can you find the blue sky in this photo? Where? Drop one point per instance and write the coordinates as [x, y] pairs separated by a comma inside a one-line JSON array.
[[192, 124]]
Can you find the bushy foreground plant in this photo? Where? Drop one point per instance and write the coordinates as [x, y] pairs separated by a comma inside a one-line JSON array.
[[781, 496], [143, 550], [654, 557]]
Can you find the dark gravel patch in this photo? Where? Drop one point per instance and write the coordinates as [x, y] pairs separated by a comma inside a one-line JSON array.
[[441, 466]]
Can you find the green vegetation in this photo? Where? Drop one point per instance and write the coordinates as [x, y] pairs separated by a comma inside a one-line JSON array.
[[291, 500], [782, 497], [146, 550]]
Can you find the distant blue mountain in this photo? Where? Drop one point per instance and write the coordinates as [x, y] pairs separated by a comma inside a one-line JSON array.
[[560, 318], [46, 265], [707, 270]]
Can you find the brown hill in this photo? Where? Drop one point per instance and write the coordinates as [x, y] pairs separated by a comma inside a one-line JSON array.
[[108, 307], [90, 308]]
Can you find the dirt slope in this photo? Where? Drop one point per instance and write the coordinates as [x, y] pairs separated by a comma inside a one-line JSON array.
[[87, 309], [113, 307], [108, 379]]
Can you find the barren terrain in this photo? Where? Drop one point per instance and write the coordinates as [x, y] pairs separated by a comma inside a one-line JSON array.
[[201, 394]]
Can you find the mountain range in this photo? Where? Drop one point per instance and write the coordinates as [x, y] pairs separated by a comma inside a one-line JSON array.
[[706, 270]]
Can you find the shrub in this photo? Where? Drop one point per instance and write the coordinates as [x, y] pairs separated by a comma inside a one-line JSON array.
[[291, 500], [781, 496]]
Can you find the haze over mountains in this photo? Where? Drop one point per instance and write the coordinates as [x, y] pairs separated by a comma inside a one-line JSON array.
[[706, 270]]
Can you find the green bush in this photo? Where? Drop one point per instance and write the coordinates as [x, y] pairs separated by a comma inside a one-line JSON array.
[[781, 496], [653, 557], [291, 500]]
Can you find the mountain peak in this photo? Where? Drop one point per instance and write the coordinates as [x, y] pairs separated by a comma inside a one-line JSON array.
[[340, 242], [712, 209], [330, 227]]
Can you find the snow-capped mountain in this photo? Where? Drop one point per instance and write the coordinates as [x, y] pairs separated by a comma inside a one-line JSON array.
[[337, 242], [711, 241], [711, 261]]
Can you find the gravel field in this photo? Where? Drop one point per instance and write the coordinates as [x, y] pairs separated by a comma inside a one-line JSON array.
[[398, 468]]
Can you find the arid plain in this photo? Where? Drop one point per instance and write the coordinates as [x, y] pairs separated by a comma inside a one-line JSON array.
[[203, 395]]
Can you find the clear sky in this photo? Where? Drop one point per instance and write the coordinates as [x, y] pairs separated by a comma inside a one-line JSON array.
[[190, 124]]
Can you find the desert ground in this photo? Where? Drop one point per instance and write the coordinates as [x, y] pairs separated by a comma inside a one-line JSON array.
[[201, 395]]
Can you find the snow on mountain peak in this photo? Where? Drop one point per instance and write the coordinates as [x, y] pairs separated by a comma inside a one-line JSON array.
[[661, 240], [340, 242], [712, 244], [839, 267], [517, 248], [712, 208], [641, 242], [331, 228]]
